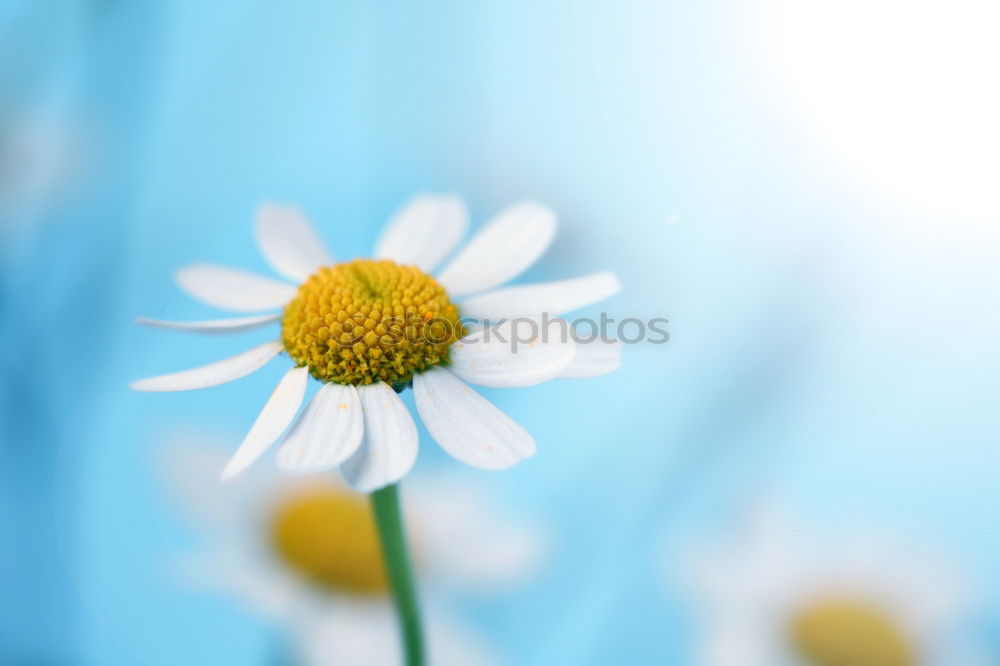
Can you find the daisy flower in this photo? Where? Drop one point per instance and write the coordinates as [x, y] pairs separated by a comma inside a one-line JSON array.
[[777, 596], [368, 328], [303, 554]]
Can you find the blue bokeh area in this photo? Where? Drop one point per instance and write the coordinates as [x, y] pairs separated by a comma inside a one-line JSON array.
[[832, 346]]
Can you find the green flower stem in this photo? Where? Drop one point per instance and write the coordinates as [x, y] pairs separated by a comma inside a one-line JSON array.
[[385, 504]]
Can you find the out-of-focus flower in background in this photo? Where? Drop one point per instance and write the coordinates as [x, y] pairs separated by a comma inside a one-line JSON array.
[[41, 163], [775, 593], [303, 553]]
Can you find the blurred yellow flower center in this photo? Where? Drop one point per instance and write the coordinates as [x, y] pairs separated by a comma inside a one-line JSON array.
[[367, 320], [848, 632], [329, 537]]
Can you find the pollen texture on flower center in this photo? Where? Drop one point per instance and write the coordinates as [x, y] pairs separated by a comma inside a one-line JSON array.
[[328, 537], [366, 321], [846, 632]]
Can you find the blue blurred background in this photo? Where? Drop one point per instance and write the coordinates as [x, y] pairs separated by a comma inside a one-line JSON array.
[[809, 194]]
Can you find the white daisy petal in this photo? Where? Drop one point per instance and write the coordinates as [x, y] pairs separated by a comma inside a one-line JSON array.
[[326, 433], [212, 374], [531, 300], [289, 242], [512, 354], [466, 425], [236, 325], [424, 231], [233, 289], [502, 250], [389, 444], [278, 412], [593, 359]]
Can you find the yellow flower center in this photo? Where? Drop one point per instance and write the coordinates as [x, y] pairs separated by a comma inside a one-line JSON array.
[[849, 632], [367, 320], [328, 536]]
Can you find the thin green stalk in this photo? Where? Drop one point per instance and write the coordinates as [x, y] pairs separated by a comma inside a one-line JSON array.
[[385, 504]]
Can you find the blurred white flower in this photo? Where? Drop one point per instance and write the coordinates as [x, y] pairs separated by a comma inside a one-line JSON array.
[[303, 553], [776, 595], [40, 161], [369, 328]]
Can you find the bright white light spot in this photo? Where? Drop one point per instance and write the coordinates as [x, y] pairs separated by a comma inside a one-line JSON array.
[[907, 91]]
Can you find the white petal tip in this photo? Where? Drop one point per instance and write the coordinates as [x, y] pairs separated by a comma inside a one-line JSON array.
[[230, 473], [212, 326], [157, 385], [289, 242], [499, 465], [466, 425], [389, 445], [213, 374], [233, 289], [424, 231], [614, 284], [500, 363], [500, 468], [508, 244], [594, 359], [151, 386]]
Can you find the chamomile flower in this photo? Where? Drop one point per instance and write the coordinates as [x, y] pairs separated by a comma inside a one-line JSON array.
[[368, 328], [777, 596], [303, 554]]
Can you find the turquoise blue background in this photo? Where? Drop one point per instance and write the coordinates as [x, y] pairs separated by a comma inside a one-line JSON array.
[[829, 345]]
